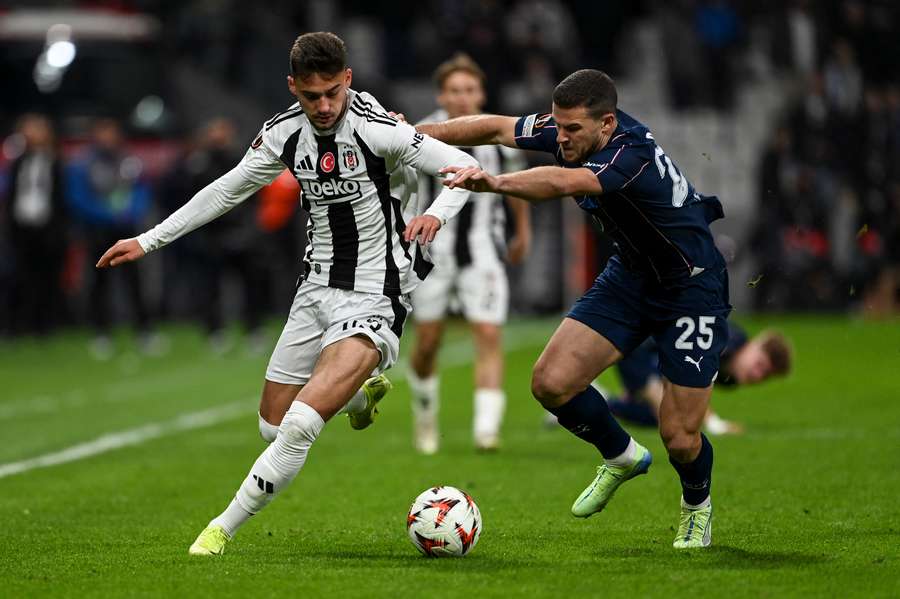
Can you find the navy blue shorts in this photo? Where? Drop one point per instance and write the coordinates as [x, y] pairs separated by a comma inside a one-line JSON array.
[[688, 321]]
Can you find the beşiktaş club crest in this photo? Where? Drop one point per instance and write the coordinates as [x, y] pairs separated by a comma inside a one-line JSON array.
[[350, 159]]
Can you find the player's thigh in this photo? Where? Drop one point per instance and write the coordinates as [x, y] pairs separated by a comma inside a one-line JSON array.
[[276, 399], [341, 370], [575, 355], [298, 347], [483, 290]]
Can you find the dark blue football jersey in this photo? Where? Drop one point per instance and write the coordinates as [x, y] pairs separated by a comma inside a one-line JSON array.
[[659, 222]]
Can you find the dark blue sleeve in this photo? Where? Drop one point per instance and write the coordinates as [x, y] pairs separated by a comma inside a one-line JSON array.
[[537, 132], [617, 167]]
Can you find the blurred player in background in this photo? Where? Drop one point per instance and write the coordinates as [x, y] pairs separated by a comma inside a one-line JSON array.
[[353, 297], [744, 362], [469, 258], [668, 281]]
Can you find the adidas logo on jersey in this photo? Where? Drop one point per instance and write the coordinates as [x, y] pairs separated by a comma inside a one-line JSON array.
[[331, 191]]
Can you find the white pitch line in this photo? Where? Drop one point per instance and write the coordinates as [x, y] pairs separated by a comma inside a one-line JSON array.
[[135, 436], [454, 354]]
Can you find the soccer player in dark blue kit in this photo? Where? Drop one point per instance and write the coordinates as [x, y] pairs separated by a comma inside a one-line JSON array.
[[667, 281]]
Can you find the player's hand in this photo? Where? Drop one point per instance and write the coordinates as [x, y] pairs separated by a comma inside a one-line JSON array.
[[518, 247], [472, 178], [422, 228], [125, 250], [397, 115]]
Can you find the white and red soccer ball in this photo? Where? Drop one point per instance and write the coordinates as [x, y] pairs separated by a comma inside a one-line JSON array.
[[444, 522]]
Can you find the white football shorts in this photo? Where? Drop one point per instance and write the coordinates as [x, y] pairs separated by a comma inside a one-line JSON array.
[[482, 290], [322, 315]]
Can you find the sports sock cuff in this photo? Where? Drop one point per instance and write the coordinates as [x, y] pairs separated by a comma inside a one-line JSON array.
[[266, 430]]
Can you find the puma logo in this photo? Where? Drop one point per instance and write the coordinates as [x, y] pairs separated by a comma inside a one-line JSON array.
[[694, 362]]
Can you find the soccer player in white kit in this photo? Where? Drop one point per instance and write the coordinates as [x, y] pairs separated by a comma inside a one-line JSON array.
[[469, 258], [354, 163]]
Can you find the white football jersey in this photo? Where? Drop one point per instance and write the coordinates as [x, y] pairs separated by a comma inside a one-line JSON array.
[[354, 179], [478, 234]]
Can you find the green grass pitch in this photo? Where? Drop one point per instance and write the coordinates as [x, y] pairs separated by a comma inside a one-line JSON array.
[[806, 502]]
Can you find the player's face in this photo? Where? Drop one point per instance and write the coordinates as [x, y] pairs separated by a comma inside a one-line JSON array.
[[461, 94], [578, 134], [751, 364], [323, 98]]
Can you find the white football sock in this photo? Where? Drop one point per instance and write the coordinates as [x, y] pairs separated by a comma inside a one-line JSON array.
[[357, 403], [425, 394], [276, 467], [626, 458], [490, 404]]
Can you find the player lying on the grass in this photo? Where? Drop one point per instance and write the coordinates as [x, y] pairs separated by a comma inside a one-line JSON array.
[[744, 361], [668, 281], [352, 162], [469, 258]]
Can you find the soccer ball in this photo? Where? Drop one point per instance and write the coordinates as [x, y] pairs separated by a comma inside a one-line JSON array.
[[444, 522]]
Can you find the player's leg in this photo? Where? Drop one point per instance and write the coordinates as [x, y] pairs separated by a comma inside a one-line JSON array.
[[341, 370], [574, 357], [484, 292], [681, 416], [429, 307], [490, 399], [691, 334]]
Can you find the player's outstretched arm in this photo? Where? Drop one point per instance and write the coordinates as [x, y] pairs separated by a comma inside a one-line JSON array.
[[475, 130], [534, 184]]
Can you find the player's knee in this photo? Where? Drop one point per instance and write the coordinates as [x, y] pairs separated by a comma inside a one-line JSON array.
[[681, 445], [547, 387], [301, 425], [266, 430]]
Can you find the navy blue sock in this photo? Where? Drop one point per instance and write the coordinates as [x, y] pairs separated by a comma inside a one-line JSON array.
[[696, 476], [588, 417], [638, 412]]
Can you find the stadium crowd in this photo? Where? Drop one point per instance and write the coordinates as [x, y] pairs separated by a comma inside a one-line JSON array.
[[828, 229]]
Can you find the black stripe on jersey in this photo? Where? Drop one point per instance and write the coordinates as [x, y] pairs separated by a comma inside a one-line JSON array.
[[372, 118], [368, 111], [289, 150], [461, 248], [282, 116], [377, 173], [400, 314], [345, 244], [421, 266], [341, 221]]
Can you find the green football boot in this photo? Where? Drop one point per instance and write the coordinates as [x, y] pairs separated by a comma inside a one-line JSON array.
[[695, 527], [211, 541], [375, 389], [597, 495]]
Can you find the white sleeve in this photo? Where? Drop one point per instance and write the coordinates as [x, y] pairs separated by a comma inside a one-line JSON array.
[[258, 168], [429, 156]]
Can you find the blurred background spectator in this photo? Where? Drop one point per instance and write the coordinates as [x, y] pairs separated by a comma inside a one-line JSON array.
[[37, 228], [789, 111]]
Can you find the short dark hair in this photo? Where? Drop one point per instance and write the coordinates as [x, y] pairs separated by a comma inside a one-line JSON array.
[[590, 88], [321, 52], [459, 62]]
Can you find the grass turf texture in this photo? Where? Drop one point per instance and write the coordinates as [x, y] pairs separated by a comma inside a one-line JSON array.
[[805, 501]]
